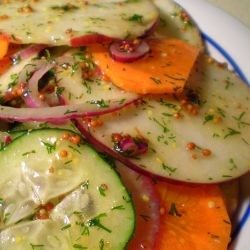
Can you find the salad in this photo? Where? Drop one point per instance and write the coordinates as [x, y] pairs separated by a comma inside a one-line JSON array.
[[116, 136]]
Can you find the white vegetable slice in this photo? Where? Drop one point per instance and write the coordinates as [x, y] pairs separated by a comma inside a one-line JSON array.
[[38, 234], [57, 23], [17, 198], [9, 78], [218, 127], [84, 84], [175, 22]]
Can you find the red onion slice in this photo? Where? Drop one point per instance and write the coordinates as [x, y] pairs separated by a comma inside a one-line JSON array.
[[5, 138], [126, 51], [151, 29], [31, 97], [60, 113], [102, 147], [147, 207], [30, 51]]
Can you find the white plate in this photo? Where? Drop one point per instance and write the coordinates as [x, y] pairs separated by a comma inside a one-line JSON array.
[[227, 40]]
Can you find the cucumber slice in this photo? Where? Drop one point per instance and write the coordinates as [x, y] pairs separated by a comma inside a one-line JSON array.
[[221, 125], [95, 198], [38, 234]]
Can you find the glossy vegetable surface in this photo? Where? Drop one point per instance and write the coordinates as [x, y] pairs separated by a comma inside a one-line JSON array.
[[165, 69], [192, 217]]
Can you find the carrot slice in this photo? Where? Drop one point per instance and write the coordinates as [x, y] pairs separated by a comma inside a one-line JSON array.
[[5, 64], [6, 61], [4, 44], [164, 69], [192, 217]]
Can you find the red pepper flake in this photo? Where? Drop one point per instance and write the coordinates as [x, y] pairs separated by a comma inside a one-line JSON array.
[[42, 97], [65, 136], [23, 85], [177, 115], [48, 206], [96, 123], [206, 152], [41, 214], [63, 153], [116, 137], [75, 139], [190, 146]]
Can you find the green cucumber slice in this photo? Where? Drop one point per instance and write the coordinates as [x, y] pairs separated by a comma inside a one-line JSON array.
[[95, 198]]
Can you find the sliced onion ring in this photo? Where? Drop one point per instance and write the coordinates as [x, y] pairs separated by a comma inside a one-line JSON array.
[[29, 51], [120, 55], [31, 97], [151, 29], [60, 113], [146, 204]]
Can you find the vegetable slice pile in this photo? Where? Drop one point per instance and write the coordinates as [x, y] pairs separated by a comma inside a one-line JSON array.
[[85, 96], [176, 132], [191, 138]]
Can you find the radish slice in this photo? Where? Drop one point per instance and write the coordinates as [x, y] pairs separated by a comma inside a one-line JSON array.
[[81, 23], [79, 80], [151, 29], [197, 137], [172, 24], [128, 51], [59, 113], [147, 208]]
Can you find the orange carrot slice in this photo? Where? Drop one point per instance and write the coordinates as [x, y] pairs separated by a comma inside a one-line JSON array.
[[164, 69], [192, 218], [4, 44], [5, 64]]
